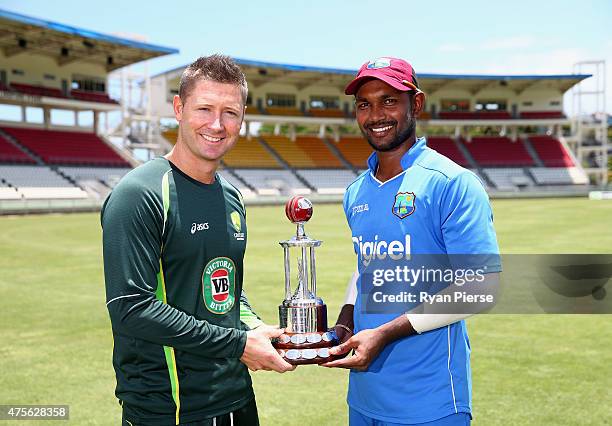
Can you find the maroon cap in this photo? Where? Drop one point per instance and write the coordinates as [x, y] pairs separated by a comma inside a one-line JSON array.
[[395, 72]]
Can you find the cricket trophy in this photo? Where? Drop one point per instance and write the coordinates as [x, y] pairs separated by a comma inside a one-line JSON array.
[[303, 314]]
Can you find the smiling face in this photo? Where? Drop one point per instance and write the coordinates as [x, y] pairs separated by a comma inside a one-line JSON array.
[[386, 116], [209, 119]]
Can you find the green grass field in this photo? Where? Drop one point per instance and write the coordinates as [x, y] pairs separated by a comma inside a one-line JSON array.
[[530, 369]]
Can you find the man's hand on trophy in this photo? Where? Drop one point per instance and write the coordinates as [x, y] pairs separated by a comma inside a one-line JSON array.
[[260, 355], [366, 345]]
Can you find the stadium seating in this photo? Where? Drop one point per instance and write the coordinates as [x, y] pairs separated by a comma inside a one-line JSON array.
[[551, 151], [284, 111], [272, 182], [29, 89], [529, 115], [108, 175], [559, 176], [253, 109], [9, 153], [508, 179], [331, 113], [63, 147], [447, 147], [331, 181], [493, 151], [290, 151], [250, 154], [231, 179], [32, 176], [85, 95], [355, 149], [318, 152], [474, 115]]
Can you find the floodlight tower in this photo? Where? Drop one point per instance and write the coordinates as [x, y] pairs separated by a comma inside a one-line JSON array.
[[591, 100], [139, 128]]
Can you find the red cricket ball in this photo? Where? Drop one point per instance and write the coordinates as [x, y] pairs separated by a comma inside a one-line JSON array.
[[298, 209]]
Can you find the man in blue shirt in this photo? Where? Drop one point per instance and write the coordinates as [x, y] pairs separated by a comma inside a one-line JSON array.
[[410, 366]]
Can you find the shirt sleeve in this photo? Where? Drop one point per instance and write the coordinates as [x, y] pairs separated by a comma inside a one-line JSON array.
[[133, 225], [467, 223], [247, 315]]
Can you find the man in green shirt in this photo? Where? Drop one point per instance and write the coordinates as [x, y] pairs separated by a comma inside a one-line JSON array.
[[174, 236]]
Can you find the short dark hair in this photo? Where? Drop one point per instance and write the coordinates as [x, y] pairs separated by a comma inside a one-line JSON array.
[[219, 68]]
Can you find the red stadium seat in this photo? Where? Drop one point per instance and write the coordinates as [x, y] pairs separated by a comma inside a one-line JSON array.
[[9, 153], [474, 115], [529, 115], [84, 95], [551, 151], [63, 147], [29, 89], [490, 151], [446, 146]]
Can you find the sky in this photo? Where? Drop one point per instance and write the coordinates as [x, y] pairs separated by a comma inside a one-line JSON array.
[[476, 37]]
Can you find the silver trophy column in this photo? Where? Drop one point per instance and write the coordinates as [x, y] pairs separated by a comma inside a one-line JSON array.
[[302, 311]]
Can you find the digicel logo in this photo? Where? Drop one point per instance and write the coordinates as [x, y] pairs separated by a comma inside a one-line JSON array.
[[380, 249], [220, 285]]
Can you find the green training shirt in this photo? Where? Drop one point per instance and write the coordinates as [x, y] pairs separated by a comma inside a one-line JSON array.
[[173, 266]]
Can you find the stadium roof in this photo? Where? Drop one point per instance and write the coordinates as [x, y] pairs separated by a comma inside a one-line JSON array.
[[20, 33], [258, 72]]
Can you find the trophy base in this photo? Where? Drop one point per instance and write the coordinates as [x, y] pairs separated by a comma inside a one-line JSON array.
[[306, 348]]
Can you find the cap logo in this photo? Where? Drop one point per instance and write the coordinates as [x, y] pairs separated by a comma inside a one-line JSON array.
[[379, 63]]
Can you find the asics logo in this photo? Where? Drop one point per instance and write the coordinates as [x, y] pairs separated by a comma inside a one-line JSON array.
[[195, 227]]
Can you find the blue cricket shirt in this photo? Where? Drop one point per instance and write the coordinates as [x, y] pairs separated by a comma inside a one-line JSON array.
[[433, 207]]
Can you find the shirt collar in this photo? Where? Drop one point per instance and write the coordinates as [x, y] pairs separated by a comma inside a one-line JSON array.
[[408, 158]]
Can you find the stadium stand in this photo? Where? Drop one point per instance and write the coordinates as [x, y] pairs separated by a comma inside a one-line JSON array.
[[66, 147], [355, 149], [551, 151], [284, 111], [559, 176], [250, 154], [245, 190], [253, 109], [36, 182], [447, 147], [530, 115], [318, 152], [474, 115], [109, 176], [26, 176], [84, 164], [30, 89], [85, 95], [330, 181], [272, 182], [330, 113], [9, 153], [508, 179], [493, 151], [290, 151]]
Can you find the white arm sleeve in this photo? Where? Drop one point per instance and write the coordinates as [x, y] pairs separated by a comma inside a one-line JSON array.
[[351, 289], [430, 320]]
